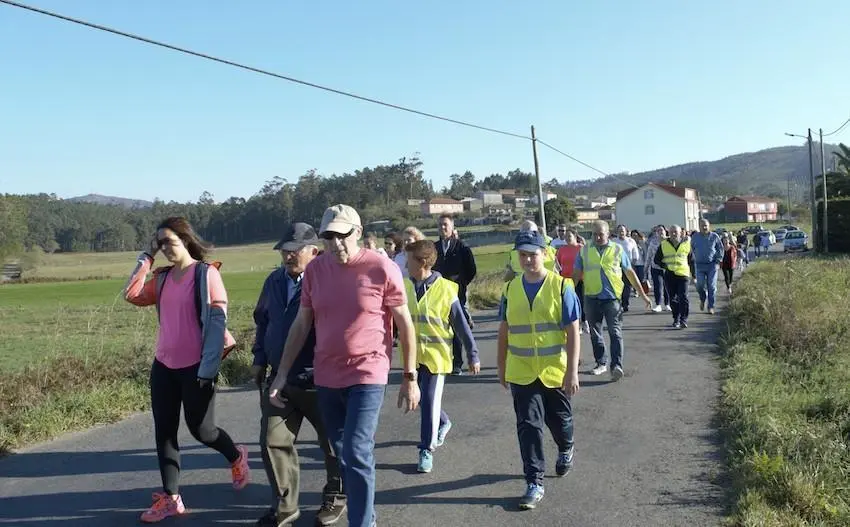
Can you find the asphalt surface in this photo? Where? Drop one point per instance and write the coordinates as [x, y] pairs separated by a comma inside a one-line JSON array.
[[647, 453]]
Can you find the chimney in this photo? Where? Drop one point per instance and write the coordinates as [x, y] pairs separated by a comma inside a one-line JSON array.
[[672, 182]]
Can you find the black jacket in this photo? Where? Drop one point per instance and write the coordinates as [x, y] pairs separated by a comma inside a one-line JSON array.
[[457, 265]]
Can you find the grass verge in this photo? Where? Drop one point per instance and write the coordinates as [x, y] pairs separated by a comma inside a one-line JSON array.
[[486, 290], [786, 395], [69, 392]]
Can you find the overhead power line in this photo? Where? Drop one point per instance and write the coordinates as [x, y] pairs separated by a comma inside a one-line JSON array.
[[260, 71], [837, 130]]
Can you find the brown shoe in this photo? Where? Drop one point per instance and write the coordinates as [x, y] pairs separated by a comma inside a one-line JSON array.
[[331, 511]]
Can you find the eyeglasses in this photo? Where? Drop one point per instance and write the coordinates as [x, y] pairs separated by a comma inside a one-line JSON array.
[[330, 235]]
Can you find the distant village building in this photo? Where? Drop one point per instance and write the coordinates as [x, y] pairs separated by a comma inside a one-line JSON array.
[[586, 214], [606, 213], [442, 206], [753, 209], [472, 204], [489, 197], [602, 201], [415, 202], [521, 201], [546, 197], [658, 204]]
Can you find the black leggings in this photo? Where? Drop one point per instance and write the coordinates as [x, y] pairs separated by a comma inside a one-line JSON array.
[[727, 276], [169, 389]]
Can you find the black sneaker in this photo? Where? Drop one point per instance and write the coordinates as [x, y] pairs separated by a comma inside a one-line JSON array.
[[457, 371], [272, 519], [683, 324], [565, 462], [331, 511]]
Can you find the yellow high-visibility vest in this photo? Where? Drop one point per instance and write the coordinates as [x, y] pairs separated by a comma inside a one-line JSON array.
[[676, 258], [594, 264], [536, 341], [431, 315]]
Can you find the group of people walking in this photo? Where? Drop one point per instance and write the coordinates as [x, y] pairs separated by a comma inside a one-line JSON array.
[[325, 330]]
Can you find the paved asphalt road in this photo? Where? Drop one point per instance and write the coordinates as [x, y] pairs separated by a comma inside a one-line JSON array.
[[647, 454]]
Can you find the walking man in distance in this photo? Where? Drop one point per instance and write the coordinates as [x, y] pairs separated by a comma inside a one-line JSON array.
[[602, 264], [678, 261], [708, 255]]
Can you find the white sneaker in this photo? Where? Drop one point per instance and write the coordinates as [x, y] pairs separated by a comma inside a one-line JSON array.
[[668, 308], [657, 309], [586, 327], [599, 369]]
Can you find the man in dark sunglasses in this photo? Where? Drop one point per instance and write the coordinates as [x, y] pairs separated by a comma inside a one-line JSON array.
[[352, 296]]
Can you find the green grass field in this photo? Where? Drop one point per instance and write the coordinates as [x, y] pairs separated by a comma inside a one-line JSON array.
[[91, 319]]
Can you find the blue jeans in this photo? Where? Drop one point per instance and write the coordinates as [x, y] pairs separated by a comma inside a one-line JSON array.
[[534, 405], [351, 418], [610, 310], [659, 286], [707, 283]]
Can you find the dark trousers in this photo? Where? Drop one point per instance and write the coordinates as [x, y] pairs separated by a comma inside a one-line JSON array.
[[659, 285], [580, 294], [279, 430], [678, 288], [431, 406], [457, 347], [627, 293], [727, 277], [534, 405], [171, 389]]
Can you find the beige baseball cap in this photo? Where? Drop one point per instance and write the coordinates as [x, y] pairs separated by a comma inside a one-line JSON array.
[[340, 219]]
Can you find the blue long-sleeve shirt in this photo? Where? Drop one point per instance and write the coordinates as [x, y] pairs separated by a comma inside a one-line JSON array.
[[457, 318], [707, 248]]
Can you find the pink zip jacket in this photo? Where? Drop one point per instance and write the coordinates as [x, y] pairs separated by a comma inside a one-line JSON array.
[[210, 301]]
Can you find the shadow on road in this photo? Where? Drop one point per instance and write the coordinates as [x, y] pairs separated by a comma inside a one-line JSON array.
[[419, 494]]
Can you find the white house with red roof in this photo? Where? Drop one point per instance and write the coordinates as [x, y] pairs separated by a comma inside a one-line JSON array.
[[654, 204]]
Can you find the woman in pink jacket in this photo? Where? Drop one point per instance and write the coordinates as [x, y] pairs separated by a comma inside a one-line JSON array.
[[191, 303]]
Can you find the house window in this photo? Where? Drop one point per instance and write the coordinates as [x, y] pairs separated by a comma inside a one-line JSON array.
[[649, 209], [648, 194]]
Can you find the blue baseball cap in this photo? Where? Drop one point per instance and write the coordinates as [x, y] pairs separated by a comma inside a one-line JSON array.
[[531, 241]]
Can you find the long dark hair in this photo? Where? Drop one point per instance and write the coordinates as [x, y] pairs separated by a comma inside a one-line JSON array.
[[180, 226]]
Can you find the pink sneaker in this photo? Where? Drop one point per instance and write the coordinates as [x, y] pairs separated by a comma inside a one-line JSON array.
[[163, 507], [240, 470]]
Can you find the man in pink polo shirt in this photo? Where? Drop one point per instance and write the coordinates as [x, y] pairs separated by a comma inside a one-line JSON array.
[[352, 296]]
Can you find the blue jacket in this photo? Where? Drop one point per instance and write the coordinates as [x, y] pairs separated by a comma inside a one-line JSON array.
[[707, 249], [274, 315]]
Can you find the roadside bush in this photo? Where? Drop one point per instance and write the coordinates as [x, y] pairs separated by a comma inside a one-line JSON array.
[[486, 290], [786, 395]]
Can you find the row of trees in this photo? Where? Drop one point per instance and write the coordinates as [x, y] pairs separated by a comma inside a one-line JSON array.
[[52, 224]]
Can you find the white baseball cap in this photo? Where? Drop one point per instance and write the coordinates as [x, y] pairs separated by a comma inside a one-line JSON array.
[[340, 218]]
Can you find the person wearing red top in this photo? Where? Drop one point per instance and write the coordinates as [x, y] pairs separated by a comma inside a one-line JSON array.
[[566, 257], [730, 260]]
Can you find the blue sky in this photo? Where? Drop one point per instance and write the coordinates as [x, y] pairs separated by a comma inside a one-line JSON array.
[[622, 85]]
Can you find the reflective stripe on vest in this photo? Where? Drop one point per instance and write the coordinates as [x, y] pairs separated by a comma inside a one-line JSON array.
[[536, 341], [676, 258], [548, 259], [594, 264], [430, 316]]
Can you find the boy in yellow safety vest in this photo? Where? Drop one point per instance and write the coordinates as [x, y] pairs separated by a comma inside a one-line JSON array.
[[437, 316], [513, 267], [538, 361]]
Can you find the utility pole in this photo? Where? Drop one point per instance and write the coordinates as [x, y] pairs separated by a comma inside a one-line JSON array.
[[812, 192], [789, 196], [825, 231], [539, 185]]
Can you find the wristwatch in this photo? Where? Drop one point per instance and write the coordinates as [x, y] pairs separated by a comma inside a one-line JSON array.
[[409, 376]]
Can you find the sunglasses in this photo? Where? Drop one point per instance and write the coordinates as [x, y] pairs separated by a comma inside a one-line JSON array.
[[166, 241], [330, 235]]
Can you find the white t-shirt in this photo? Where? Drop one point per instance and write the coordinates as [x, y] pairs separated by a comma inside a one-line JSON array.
[[401, 261], [628, 245]]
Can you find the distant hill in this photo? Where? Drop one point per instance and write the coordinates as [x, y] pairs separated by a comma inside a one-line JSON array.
[[127, 203], [765, 172]]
